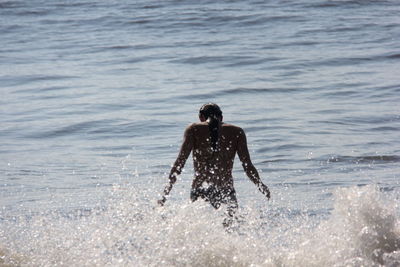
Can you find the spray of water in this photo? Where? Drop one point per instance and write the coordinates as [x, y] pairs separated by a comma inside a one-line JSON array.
[[362, 230]]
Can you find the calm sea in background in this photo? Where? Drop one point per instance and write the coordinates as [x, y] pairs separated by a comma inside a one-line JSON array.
[[95, 96]]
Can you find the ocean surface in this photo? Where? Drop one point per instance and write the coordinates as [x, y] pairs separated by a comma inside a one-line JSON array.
[[95, 96]]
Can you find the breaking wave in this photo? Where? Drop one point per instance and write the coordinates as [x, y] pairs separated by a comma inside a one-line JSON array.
[[361, 230]]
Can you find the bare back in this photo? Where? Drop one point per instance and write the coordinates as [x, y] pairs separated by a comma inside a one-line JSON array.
[[214, 145], [214, 167]]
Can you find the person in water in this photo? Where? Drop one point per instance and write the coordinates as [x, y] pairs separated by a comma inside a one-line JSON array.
[[214, 145]]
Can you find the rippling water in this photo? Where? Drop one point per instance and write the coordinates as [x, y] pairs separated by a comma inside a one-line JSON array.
[[95, 97]]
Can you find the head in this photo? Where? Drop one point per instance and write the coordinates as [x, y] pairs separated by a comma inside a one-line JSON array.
[[210, 111]]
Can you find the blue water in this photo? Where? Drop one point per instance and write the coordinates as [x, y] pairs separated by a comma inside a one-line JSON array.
[[96, 95]]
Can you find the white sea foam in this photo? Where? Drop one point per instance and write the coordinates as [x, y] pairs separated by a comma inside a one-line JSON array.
[[362, 230]]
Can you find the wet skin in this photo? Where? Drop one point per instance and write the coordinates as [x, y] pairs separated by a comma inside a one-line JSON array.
[[214, 167]]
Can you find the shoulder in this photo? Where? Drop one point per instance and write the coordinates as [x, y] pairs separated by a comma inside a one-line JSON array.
[[233, 128], [197, 126], [194, 127]]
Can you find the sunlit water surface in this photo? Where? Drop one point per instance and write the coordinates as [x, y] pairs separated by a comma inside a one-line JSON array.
[[95, 98]]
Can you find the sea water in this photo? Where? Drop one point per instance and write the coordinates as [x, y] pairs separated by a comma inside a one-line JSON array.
[[95, 96]]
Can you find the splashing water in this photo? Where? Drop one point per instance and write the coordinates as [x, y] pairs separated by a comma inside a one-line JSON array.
[[362, 229]]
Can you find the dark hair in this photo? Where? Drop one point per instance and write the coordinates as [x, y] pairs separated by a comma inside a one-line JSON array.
[[213, 114]]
